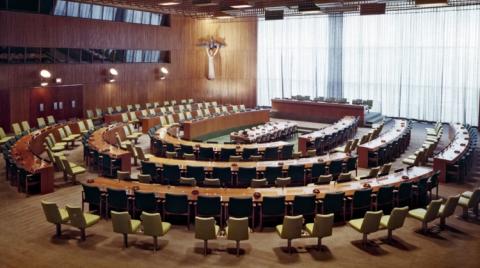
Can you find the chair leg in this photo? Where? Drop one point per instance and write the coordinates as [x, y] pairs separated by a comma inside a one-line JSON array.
[[289, 246], [424, 227], [238, 248], [390, 232], [155, 243], [58, 230], [125, 240], [319, 243], [82, 234], [365, 239], [442, 222], [205, 247]]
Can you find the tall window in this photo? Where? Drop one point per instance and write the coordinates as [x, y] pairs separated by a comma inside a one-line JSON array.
[[417, 64], [292, 58]]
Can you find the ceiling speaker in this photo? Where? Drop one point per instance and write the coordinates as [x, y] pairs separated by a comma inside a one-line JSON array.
[[273, 14], [373, 9]]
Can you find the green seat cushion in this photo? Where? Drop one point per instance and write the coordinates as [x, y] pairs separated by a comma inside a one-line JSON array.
[[75, 136], [135, 225], [4, 140], [57, 148], [91, 219], [384, 221], [279, 229], [68, 139], [166, 227], [463, 202], [356, 224], [61, 144], [78, 170], [418, 213], [309, 228], [408, 161], [467, 194]]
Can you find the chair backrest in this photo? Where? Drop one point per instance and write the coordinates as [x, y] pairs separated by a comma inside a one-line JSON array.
[[371, 221], [121, 222], [77, 219], [397, 218], [385, 194], [144, 178], [117, 198], [67, 166], [209, 205], [51, 211], [81, 126], [2, 133], [41, 122], [283, 182], [273, 205], [373, 172], [325, 179], [292, 227], [152, 224], [385, 169], [333, 202], [432, 210], [16, 129], [205, 228], [240, 207], [258, 183], [145, 201], [93, 194], [475, 198], [176, 203], [450, 205], [323, 225], [344, 177], [50, 120], [304, 204], [90, 124], [187, 181], [362, 198], [237, 229]]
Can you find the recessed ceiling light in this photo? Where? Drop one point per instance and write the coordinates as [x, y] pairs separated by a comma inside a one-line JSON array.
[[240, 5], [170, 3]]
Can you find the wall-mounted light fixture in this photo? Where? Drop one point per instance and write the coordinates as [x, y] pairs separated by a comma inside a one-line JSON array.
[[112, 75], [163, 73], [45, 76]]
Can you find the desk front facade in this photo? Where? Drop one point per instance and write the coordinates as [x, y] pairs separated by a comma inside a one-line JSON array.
[[195, 129], [320, 112], [395, 179], [103, 140]]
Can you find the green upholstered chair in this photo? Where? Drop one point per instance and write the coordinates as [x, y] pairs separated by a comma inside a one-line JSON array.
[[123, 175], [17, 130], [154, 226], [385, 169], [258, 183], [283, 182], [117, 200], [241, 207], [321, 227], [237, 230], [123, 224], [141, 154], [426, 215], [206, 229], [55, 215], [290, 229], [446, 210], [81, 220], [72, 171], [125, 118], [81, 126], [90, 125], [177, 204], [144, 178], [50, 120], [121, 144], [334, 203], [25, 126], [215, 183], [65, 138], [3, 137], [469, 200], [394, 221], [344, 177], [209, 206], [55, 141], [69, 133], [41, 122], [187, 181], [324, 179], [367, 225]]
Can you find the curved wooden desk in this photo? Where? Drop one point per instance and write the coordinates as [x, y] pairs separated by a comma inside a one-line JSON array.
[[260, 165], [194, 129], [103, 141], [322, 112], [349, 188], [459, 141], [344, 123], [400, 127], [167, 135], [26, 153]]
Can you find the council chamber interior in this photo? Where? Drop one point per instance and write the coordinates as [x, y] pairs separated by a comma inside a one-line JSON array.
[[239, 133]]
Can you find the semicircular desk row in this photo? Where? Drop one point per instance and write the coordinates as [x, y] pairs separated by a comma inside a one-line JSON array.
[[27, 150], [395, 179]]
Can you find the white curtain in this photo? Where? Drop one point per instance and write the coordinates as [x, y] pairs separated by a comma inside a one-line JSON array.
[[423, 65], [292, 58]]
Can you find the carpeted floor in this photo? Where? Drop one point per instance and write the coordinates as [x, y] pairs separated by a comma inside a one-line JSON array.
[[27, 240]]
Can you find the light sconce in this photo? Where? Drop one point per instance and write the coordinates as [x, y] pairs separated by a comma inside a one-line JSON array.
[[45, 76], [112, 75], [163, 73]]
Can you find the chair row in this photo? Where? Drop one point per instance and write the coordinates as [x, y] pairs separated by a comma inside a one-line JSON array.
[[425, 152], [391, 149]]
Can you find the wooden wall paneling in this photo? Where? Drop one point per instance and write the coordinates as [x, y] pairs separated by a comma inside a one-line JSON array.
[[5, 110]]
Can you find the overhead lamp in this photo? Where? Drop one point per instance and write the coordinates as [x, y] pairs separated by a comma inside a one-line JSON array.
[[308, 8], [164, 70], [240, 4], [161, 73], [170, 3], [222, 15], [43, 84], [113, 71], [431, 3], [45, 74], [112, 75]]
